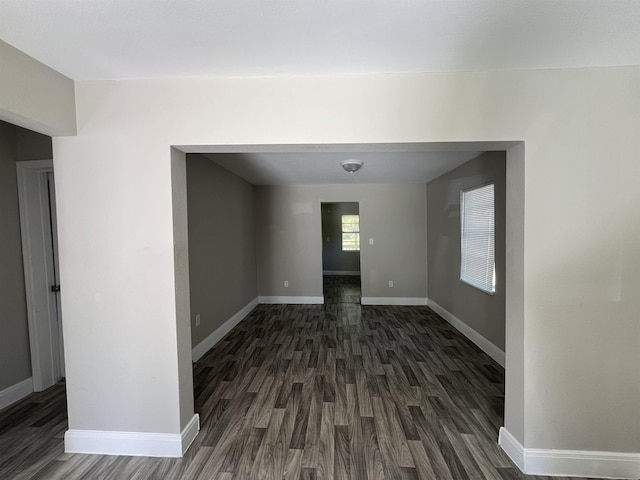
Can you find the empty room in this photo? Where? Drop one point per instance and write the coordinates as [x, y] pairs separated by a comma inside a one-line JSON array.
[[334, 239]]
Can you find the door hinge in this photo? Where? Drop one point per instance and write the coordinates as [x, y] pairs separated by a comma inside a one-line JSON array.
[[55, 288]]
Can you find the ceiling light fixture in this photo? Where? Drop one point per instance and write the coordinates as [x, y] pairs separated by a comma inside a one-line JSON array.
[[351, 165]]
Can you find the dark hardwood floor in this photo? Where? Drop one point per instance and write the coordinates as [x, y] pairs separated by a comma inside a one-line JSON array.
[[308, 392], [341, 289]]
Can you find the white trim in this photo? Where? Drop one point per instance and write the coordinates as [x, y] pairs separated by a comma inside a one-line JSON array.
[[570, 463], [410, 301], [292, 300], [485, 345], [207, 344], [190, 432], [44, 334], [512, 447], [12, 394], [347, 273], [132, 443]]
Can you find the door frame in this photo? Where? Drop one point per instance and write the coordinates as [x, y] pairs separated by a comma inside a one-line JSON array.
[[359, 252], [37, 256]]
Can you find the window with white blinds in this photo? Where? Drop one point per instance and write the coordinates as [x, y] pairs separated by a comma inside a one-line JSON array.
[[477, 262]]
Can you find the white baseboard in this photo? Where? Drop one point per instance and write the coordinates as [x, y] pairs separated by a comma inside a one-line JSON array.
[[513, 448], [138, 444], [570, 463], [485, 345], [409, 301], [292, 300], [207, 344], [190, 432], [12, 394], [348, 273]]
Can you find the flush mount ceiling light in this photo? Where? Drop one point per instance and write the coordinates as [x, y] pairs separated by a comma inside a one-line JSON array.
[[351, 165]]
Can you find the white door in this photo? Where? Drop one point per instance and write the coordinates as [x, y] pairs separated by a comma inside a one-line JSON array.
[[55, 278], [36, 193]]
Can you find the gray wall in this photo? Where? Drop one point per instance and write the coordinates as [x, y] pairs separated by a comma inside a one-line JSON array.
[[15, 365], [333, 258], [31, 145], [482, 312], [15, 144], [222, 245], [289, 238]]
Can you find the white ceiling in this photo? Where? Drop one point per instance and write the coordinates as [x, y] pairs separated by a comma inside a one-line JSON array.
[[106, 39], [111, 39], [319, 164], [287, 168]]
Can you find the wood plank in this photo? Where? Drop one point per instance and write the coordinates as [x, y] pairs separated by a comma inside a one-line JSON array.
[[308, 391]]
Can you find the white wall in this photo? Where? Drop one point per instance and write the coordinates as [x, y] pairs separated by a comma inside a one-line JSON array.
[[289, 238], [116, 242], [35, 96], [181, 287], [579, 333]]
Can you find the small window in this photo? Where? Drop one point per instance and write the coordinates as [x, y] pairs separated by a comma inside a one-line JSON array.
[[477, 260], [350, 233]]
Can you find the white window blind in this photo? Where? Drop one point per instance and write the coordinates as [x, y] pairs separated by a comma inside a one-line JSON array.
[[350, 233], [477, 262]]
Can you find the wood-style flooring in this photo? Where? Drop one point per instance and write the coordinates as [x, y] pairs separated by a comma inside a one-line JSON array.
[[341, 289], [338, 391]]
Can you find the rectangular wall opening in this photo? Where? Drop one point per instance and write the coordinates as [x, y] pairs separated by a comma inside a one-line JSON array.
[[341, 252]]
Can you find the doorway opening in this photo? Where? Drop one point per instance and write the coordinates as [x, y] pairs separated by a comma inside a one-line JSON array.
[[38, 225], [514, 244], [341, 252]]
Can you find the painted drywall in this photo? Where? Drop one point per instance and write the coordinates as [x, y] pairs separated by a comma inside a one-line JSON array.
[[482, 312], [572, 324], [289, 238], [222, 245], [32, 145], [35, 96], [120, 327], [182, 286], [334, 259], [514, 408], [15, 363]]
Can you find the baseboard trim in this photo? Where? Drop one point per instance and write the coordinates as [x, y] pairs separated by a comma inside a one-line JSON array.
[[292, 300], [408, 301], [207, 344], [190, 432], [346, 273], [570, 463], [135, 444], [512, 447], [485, 345], [12, 394]]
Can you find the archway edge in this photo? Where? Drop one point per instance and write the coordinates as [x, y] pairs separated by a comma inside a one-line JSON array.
[[514, 311]]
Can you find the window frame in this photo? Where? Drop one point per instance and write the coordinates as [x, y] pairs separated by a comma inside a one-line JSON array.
[[342, 233], [463, 276]]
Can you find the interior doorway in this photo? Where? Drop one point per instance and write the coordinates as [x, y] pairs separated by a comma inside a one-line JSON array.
[[38, 226], [515, 203], [341, 252]]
